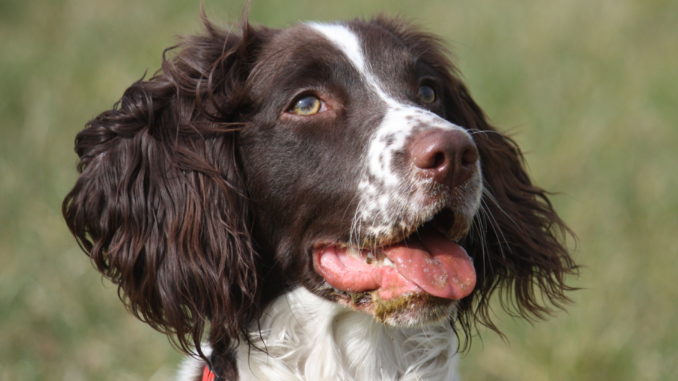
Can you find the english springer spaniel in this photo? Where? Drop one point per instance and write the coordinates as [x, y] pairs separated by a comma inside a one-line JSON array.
[[321, 202]]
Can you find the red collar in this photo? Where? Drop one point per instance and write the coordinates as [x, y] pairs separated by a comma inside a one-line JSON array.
[[207, 374]]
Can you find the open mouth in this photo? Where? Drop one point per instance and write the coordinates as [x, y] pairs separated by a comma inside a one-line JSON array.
[[428, 261]]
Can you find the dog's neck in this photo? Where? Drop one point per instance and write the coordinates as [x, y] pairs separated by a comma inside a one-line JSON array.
[[309, 338]]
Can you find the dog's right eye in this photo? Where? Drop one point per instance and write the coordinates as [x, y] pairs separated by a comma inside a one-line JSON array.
[[306, 105], [427, 94]]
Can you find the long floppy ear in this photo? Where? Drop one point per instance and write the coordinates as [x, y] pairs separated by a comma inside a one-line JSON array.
[[160, 205], [517, 237]]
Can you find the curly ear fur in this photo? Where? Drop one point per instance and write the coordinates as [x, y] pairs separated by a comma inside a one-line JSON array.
[[517, 237], [160, 205]]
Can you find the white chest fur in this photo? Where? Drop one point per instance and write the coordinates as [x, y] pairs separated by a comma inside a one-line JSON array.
[[309, 338]]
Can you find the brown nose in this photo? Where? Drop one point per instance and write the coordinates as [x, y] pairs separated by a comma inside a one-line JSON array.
[[449, 157]]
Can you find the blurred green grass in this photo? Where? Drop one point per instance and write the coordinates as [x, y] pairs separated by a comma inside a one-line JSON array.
[[589, 89]]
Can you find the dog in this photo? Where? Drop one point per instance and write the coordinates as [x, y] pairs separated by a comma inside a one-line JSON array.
[[320, 202]]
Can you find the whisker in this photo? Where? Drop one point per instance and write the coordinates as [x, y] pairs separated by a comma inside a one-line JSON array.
[[475, 132], [490, 196], [496, 228], [478, 229]]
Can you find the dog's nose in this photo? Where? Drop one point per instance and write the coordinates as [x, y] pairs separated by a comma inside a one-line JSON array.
[[447, 156]]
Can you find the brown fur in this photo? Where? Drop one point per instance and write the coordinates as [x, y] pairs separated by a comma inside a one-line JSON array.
[[163, 209]]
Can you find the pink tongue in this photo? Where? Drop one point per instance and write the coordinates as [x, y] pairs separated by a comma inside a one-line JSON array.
[[435, 264], [431, 263]]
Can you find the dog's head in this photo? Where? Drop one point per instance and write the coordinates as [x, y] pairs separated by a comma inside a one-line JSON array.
[[348, 158]]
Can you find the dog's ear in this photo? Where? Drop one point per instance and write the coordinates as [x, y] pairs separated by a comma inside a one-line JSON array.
[[517, 237], [160, 205]]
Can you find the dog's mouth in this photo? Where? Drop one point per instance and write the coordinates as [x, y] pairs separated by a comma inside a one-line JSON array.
[[427, 262]]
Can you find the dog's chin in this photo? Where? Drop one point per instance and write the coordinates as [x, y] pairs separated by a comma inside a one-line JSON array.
[[412, 310], [415, 280]]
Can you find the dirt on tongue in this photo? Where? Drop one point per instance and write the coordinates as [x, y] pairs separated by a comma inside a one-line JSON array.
[[430, 263]]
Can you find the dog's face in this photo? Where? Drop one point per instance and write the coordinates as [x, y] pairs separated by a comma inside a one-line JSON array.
[[348, 158], [357, 174]]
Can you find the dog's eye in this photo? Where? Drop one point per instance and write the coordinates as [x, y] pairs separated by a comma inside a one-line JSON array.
[[426, 94], [306, 105]]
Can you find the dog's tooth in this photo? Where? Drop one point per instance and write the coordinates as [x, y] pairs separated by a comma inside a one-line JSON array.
[[370, 258], [387, 262], [354, 252]]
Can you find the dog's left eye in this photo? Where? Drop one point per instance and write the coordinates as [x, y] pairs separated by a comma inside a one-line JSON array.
[[307, 105], [426, 94]]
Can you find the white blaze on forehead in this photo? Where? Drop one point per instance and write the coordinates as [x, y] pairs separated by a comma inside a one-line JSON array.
[[347, 41], [344, 39]]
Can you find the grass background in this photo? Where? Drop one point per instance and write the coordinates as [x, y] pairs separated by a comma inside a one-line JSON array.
[[589, 88]]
